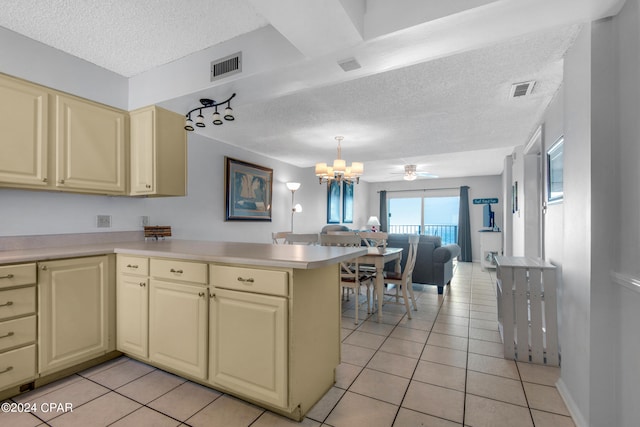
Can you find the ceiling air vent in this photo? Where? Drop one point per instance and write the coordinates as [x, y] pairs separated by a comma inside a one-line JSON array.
[[521, 89], [349, 64], [226, 66]]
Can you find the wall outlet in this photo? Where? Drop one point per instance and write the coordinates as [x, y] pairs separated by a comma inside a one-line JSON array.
[[145, 220], [103, 221]]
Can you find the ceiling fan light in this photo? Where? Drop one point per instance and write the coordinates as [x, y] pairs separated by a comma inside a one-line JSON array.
[[228, 114], [200, 121], [410, 177]]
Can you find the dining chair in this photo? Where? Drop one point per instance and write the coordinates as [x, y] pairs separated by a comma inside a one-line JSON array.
[[301, 239], [351, 278], [278, 237], [374, 239], [403, 280]]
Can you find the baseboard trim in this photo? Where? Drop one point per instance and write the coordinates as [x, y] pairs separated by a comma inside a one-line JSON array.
[[578, 418]]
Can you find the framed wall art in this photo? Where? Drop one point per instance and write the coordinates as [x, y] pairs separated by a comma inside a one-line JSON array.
[[333, 202], [347, 202], [555, 169], [248, 191]]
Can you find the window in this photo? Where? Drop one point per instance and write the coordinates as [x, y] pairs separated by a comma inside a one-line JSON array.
[[430, 215]]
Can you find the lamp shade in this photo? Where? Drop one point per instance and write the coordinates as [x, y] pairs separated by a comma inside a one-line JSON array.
[[321, 169], [373, 220], [339, 165], [293, 186], [357, 168]]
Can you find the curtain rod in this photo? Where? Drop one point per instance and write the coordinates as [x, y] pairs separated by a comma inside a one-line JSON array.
[[421, 189]]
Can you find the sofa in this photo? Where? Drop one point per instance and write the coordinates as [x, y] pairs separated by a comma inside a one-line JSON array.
[[434, 262]]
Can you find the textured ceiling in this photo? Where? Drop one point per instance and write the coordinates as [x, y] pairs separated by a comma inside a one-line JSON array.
[[130, 36], [432, 91]]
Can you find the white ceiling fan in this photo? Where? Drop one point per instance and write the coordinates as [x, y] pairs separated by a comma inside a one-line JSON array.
[[411, 173]]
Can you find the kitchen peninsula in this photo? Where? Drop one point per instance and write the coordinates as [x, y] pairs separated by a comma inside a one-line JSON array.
[[258, 321]]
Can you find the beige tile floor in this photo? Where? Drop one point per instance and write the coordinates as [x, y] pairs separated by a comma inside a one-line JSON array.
[[442, 368]]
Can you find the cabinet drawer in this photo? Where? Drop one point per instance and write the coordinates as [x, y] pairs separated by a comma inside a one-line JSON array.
[[14, 333], [16, 275], [133, 265], [17, 366], [250, 279], [16, 302], [179, 270]]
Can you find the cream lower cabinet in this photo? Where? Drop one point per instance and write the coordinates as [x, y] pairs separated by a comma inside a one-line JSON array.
[[274, 334], [178, 327], [248, 344], [75, 311], [132, 297]]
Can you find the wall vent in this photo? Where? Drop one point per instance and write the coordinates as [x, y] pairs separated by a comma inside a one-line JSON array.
[[519, 90], [227, 66]]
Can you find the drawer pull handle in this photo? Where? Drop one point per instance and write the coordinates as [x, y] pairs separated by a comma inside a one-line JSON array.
[[8, 276], [6, 304], [142, 284], [201, 294], [212, 296], [8, 334], [176, 271], [243, 280], [10, 368], [132, 266]]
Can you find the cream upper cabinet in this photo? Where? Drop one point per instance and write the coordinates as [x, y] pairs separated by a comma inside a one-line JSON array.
[[90, 146], [158, 153], [75, 311], [23, 134]]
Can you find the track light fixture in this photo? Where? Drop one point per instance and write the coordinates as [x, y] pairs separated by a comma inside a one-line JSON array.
[[216, 119]]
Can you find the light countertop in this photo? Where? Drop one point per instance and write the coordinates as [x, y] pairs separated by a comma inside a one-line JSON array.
[[257, 254]]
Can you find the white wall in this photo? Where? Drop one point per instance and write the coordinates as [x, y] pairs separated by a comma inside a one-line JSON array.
[[198, 216], [575, 312], [25, 58], [479, 187], [625, 301]]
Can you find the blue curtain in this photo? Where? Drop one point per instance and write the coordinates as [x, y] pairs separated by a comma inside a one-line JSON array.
[[464, 226], [384, 216]]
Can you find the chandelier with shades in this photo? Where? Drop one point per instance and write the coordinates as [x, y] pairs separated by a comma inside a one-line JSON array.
[[216, 117], [339, 171]]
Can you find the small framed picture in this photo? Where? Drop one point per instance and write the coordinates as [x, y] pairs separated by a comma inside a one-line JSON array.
[[347, 202]]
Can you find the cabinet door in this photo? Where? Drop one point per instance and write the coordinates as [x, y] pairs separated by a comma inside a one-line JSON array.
[[178, 326], [248, 344], [158, 152], [73, 317], [133, 315], [143, 152], [23, 126], [90, 146]]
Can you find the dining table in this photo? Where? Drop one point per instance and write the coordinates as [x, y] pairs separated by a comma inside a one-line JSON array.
[[378, 257]]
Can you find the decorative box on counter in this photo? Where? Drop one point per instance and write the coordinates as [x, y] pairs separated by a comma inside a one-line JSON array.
[[157, 231]]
